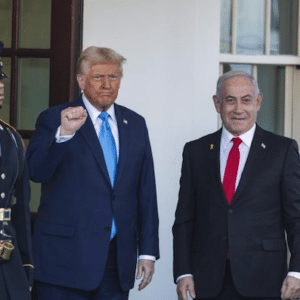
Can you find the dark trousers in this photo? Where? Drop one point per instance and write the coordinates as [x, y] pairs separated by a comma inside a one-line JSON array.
[[228, 290], [3, 288], [13, 290], [109, 288]]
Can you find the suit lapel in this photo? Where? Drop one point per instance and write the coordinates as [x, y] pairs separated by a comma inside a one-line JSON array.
[[254, 161], [213, 154], [89, 135], [123, 142]]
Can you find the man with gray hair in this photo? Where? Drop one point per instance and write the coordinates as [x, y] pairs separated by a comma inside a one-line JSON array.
[[239, 195], [98, 209]]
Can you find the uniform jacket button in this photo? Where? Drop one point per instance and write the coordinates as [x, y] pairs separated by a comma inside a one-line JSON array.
[[2, 195], [3, 176]]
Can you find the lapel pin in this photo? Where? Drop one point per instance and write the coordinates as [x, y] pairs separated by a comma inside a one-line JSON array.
[[1, 128], [212, 146], [263, 145], [125, 121]]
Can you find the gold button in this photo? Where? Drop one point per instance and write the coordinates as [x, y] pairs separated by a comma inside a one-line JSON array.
[[3, 176], [2, 195]]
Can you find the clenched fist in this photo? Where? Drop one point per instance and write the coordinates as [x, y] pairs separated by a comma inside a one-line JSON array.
[[72, 118]]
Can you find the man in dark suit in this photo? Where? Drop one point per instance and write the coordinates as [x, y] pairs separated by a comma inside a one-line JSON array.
[[16, 269], [239, 195], [98, 208]]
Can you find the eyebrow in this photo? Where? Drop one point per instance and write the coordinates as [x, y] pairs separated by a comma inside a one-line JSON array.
[[245, 96]]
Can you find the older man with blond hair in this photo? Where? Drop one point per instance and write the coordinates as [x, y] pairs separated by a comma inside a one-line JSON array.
[[98, 209]]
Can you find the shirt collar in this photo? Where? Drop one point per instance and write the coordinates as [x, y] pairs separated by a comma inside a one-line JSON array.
[[94, 112], [246, 137]]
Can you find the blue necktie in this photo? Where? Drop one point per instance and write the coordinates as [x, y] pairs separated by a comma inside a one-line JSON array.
[[110, 155]]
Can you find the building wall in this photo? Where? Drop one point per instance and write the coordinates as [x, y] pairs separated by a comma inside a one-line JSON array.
[[172, 48]]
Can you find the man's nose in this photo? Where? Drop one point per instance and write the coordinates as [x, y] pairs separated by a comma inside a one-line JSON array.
[[238, 107], [106, 82]]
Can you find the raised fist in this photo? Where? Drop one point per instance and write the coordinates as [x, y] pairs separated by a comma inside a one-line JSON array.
[[72, 118]]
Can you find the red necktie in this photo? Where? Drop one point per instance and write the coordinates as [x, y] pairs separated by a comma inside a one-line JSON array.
[[231, 169]]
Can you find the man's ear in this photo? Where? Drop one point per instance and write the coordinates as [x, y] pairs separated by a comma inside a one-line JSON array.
[[217, 103], [81, 81], [259, 101]]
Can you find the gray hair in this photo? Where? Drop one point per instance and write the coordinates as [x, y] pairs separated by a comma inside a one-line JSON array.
[[232, 74], [99, 55]]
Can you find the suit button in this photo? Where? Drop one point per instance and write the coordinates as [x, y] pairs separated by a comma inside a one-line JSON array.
[[3, 176], [2, 195], [108, 229], [225, 237], [114, 198], [230, 211]]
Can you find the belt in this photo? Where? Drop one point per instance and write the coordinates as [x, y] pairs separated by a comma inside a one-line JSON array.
[[5, 214]]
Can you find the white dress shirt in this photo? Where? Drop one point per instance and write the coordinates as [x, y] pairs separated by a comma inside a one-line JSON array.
[[225, 147], [97, 122]]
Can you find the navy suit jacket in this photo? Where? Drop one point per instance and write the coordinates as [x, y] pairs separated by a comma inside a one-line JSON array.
[[265, 206], [72, 229]]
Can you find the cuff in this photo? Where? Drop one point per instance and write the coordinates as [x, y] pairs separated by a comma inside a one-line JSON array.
[[150, 257], [181, 276], [294, 274], [64, 138]]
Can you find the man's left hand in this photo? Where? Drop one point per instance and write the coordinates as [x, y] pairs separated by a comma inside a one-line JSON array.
[[290, 288], [145, 269]]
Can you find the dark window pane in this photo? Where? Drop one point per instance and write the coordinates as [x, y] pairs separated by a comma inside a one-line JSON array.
[[271, 81], [35, 24], [234, 67], [6, 22], [33, 96], [284, 27]]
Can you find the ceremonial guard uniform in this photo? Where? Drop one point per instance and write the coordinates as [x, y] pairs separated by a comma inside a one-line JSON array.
[[16, 269]]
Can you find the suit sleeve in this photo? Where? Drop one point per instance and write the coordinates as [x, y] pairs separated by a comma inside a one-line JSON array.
[[291, 204], [184, 220], [43, 153], [147, 205], [21, 217]]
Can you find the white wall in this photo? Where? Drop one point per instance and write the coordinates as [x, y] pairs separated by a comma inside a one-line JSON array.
[[172, 48]]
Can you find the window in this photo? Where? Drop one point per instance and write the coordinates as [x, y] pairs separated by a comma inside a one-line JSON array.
[[42, 42], [261, 37]]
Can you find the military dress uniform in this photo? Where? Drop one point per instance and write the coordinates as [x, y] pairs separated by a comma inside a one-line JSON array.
[[16, 270]]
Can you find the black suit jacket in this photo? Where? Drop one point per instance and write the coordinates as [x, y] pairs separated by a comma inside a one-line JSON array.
[[266, 204]]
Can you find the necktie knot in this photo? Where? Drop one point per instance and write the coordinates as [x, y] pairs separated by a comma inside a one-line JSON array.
[[236, 142], [103, 116]]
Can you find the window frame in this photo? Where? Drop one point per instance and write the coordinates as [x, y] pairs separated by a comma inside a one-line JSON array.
[[65, 48], [291, 63]]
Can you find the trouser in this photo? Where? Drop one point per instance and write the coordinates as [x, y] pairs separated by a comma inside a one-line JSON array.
[[228, 290], [109, 288]]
